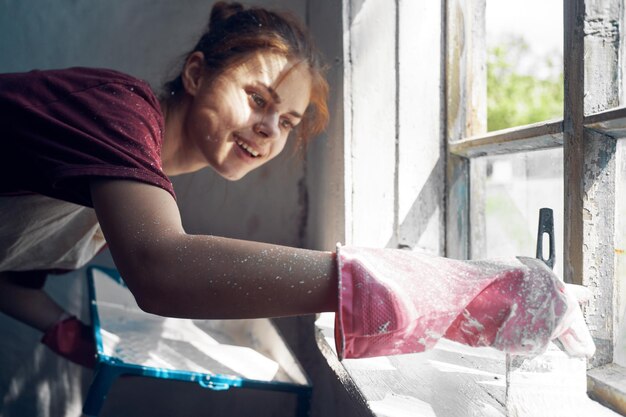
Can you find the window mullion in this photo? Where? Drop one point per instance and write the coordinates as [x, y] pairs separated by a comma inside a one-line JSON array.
[[592, 39], [573, 19], [466, 109], [610, 122], [543, 135]]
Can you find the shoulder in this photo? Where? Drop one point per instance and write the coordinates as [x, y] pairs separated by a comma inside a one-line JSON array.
[[81, 76], [98, 122], [84, 78], [39, 87]]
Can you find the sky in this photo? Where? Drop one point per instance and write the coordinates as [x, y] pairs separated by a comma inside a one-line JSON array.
[[539, 21]]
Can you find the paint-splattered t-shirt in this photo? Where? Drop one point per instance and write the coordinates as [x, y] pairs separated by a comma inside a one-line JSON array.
[[61, 128]]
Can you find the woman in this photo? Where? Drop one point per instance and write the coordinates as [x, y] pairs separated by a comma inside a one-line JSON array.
[[101, 139], [82, 138]]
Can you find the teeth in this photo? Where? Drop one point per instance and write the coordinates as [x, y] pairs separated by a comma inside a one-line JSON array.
[[247, 148]]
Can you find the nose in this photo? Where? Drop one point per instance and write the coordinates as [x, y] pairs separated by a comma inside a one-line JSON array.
[[267, 126]]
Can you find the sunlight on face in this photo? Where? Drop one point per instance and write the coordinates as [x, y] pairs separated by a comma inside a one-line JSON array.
[[242, 118]]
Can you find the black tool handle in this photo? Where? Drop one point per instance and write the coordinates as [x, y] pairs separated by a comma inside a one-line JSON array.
[[546, 225]]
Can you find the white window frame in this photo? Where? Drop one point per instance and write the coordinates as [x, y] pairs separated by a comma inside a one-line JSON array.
[[408, 121], [590, 133]]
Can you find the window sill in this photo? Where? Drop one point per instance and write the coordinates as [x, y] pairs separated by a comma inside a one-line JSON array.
[[449, 381], [454, 380], [607, 385]]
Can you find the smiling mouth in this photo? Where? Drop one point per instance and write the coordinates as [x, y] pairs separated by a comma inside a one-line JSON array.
[[248, 149]]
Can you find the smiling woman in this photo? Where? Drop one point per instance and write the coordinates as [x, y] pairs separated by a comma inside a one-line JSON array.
[[91, 148], [270, 93], [235, 33], [94, 148]]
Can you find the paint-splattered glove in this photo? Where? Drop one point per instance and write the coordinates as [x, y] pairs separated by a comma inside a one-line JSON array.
[[396, 301], [523, 313], [73, 340]]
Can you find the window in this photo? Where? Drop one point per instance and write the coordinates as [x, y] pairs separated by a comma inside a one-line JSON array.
[[412, 164], [589, 139]]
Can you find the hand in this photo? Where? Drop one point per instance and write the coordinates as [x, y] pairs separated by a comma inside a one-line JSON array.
[[395, 301], [73, 340], [573, 333], [523, 313]]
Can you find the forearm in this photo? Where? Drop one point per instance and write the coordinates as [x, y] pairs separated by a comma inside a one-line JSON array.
[[30, 305], [175, 274], [211, 277]]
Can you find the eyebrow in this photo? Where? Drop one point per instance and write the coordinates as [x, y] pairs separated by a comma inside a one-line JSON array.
[[277, 99]]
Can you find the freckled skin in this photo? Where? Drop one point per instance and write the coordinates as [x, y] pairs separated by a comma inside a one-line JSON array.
[[238, 105]]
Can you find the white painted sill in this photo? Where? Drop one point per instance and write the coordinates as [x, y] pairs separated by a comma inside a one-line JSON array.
[[607, 384], [454, 380]]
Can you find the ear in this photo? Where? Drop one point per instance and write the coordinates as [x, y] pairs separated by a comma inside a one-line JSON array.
[[193, 72]]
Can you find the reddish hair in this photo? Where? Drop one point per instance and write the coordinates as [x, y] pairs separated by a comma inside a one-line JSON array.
[[235, 32]]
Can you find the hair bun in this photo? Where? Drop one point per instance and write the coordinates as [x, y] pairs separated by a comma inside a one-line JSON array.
[[222, 11]]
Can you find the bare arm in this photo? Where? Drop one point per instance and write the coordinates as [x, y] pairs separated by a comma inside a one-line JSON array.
[[175, 274]]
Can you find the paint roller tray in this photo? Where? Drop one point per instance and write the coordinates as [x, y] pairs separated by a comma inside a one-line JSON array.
[[217, 354]]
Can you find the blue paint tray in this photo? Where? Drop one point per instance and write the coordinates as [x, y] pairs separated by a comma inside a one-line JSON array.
[[216, 354]]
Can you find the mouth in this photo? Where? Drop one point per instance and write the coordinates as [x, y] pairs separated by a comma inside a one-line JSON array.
[[247, 149]]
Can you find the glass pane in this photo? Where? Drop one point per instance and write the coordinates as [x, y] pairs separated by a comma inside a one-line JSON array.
[[516, 187], [524, 63]]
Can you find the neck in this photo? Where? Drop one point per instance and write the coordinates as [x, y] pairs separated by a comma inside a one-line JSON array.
[[177, 155]]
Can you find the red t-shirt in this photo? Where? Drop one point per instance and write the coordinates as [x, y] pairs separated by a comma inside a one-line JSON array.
[[60, 128]]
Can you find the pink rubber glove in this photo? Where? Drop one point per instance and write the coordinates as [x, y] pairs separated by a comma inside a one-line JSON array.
[[73, 340], [396, 301], [524, 314]]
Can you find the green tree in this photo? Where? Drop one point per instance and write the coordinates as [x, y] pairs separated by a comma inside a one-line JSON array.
[[517, 98]]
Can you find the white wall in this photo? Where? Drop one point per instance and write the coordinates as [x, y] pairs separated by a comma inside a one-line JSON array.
[[377, 177], [392, 161]]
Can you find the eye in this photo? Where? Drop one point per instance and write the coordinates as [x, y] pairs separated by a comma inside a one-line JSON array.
[[286, 124], [258, 100]]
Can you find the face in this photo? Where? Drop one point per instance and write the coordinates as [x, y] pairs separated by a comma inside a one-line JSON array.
[[242, 118]]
